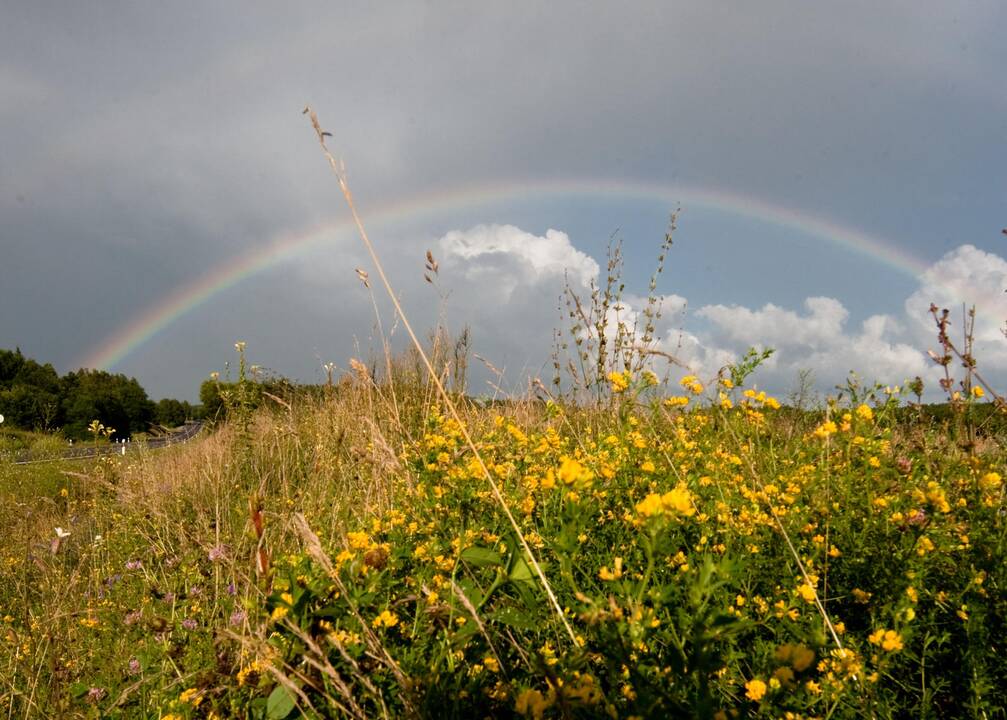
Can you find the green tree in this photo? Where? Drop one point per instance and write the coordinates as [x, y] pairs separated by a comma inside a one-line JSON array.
[[172, 413], [115, 400], [211, 399], [29, 392]]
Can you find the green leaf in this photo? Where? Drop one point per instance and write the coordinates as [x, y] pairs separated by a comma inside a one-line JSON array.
[[330, 611], [481, 557], [520, 571], [280, 703], [471, 591], [514, 618]]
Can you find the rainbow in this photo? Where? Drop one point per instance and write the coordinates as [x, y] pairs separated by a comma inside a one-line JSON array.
[[149, 322]]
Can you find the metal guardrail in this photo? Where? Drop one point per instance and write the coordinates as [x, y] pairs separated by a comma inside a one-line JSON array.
[[189, 430]]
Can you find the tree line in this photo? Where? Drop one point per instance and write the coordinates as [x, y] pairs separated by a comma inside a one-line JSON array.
[[34, 396]]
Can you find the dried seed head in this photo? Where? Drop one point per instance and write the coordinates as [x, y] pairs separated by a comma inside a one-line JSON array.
[[360, 369], [376, 558]]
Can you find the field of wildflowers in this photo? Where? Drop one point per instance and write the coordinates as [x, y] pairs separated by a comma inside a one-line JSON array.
[[710, 553]]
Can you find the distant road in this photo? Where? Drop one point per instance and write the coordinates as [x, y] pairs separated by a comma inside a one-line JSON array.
[[189, 430]]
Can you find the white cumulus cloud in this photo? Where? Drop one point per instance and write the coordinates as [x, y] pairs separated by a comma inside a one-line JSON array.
[[506, 283], [538, 258], [968, 276]]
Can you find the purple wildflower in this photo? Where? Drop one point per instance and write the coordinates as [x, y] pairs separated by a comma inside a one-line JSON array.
[[134, 565], [917, 517], [189, 624], [134, 666], [238, 617]]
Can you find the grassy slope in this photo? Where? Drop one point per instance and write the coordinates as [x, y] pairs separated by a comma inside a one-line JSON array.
[[655, 527]]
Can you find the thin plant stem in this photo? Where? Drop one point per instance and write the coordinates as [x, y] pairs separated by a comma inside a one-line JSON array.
[[340, 173]]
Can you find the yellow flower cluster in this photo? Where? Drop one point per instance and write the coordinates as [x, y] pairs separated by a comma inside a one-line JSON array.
[[755, 689], [358, 540], [606, 574], [619, 381], [385, 620], [762, 399], [826, 429], [889, 640], [573, 472], [692, 384], [678, 501]]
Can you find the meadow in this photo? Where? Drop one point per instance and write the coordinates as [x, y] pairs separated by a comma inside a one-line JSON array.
[[652, 548]]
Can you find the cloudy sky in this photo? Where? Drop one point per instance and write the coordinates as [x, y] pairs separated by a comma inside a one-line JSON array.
[[838, 165]]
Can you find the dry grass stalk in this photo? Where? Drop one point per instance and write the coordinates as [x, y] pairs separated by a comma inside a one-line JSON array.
[[340, 173]]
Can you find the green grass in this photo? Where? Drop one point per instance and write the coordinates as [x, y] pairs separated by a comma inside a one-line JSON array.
[[344, 555]]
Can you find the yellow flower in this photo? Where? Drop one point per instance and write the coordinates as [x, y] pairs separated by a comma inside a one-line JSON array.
[[548, 654], [864, 412], [192, 695], [892, 641], [755, 690], [385, 619], [650, 506], [606, 574], [647, 466], [533, 703], [279, 612], [572, 472], [358, 540], [807, 592], [924, 545], [528, 505], [861, 596], [889, 640], [978, 392], [990, 481], [825, 429], [678, 500], [620, 381]]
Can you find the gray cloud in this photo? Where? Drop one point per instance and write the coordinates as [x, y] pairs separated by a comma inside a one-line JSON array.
[[146, 144]]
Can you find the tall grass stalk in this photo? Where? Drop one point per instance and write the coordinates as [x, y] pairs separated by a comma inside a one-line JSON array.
[[340, 173]]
